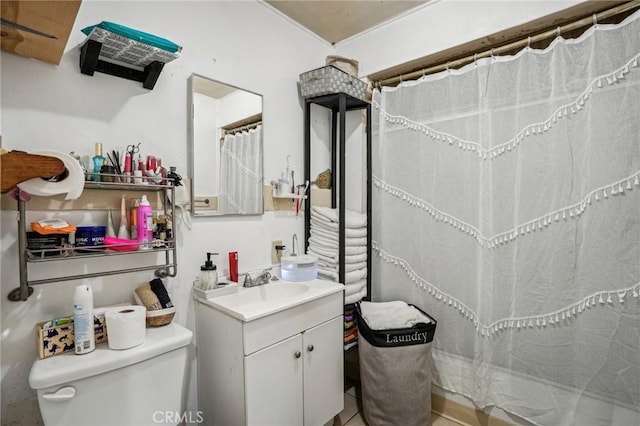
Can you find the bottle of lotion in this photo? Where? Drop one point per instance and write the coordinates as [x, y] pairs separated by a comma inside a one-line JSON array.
[[208, 274], [98, 160], [83, 329], [145, 224]]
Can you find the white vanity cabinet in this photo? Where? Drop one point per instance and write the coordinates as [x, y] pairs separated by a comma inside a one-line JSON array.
[[282, 369]]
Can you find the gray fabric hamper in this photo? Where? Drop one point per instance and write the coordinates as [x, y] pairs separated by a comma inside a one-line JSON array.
[[395, 373]]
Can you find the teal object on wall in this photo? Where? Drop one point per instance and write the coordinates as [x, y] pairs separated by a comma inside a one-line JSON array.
[[139, 36]]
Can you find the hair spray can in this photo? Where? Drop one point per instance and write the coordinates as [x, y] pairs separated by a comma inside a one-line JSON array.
[[145, 224], [83, 330], [233, 266]]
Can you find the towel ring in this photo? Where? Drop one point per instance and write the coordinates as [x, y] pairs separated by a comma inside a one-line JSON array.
[[529, 42], [558, 31], [595, 19]]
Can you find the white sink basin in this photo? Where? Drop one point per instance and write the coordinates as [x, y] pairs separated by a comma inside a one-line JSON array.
[[269, 293], [259, 301]]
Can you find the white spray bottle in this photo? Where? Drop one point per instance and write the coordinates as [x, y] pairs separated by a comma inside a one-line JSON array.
[[83, 330]]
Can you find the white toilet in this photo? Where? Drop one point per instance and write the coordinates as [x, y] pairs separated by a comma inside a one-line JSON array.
[[143, 385]]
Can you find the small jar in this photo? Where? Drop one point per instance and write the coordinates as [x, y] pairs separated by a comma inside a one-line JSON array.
[[107, 173]]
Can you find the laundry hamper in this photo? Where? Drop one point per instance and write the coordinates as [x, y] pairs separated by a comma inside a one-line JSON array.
[[395, 373]]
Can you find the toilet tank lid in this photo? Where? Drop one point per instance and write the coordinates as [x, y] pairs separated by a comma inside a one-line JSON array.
[[69, 367]]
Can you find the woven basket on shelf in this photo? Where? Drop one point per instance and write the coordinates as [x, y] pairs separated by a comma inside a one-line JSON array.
[[160, 317], [324, 180], [157, 317]]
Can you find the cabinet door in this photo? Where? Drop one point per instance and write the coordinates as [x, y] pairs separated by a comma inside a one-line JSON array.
[[323, 372], [273, 383]]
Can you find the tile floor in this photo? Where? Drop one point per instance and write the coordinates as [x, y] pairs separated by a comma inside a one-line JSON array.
[[352, 413]]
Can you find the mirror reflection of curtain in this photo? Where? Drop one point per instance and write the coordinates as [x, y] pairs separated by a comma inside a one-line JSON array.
[[507, 205], [241, 173]]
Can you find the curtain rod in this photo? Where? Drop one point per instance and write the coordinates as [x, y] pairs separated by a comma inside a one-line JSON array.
[[593, 19], [245, 127]]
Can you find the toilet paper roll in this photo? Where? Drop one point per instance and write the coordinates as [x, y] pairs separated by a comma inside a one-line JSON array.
[[70, 183], [126, 326]]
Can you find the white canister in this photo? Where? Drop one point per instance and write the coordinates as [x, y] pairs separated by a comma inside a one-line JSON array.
[[299, 268], [126, 326]]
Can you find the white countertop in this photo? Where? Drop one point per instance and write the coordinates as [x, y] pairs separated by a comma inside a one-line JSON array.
[[251, 303]]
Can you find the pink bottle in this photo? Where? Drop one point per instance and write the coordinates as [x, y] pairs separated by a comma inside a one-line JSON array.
[[145, 224]]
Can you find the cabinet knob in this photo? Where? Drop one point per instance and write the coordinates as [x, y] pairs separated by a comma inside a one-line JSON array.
[[310, 348], [298, 354]]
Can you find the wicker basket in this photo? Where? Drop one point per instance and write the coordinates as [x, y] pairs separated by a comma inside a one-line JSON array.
[[329, 80], [160, 317], [324, 180]]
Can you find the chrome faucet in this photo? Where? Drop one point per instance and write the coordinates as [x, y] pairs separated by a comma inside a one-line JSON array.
[[263, 278]]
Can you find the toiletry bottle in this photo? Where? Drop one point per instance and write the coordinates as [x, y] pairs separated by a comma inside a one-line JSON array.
[[133, 219], [208, 274], [97, 161], [83, 329], [160, 170], [123, 230], [111, 230], [283, 185], [233, 266], [144, 228]]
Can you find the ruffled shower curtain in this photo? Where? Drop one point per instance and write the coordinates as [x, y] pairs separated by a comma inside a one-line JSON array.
[[241, 173], [507, 201]]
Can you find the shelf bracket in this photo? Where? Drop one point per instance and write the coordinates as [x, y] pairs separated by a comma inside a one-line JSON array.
[[90, 63]]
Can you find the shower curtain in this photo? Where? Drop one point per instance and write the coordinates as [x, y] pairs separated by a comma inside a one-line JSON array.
[[507, 201], [241, 173]]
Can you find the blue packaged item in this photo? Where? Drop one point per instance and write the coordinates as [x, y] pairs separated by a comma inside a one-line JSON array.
[[90, 236]]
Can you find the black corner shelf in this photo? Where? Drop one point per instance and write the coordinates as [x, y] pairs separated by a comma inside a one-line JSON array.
[[90, 63], [339, 104]]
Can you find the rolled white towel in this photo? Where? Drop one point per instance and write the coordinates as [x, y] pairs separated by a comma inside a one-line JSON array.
[[352, 219], [355, 287], [349, 277], [331, 252], [391, 315], [321, 238], [332, 227], [348, 267], [348, 259], [356, 297]]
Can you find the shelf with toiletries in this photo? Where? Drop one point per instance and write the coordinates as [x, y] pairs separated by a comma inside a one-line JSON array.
[[104, 246]]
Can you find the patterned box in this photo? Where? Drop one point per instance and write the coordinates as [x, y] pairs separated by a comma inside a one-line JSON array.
[[329, 80], [59, 339]]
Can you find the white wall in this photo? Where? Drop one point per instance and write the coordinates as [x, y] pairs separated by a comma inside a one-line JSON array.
[[440, 25], [244, 44]]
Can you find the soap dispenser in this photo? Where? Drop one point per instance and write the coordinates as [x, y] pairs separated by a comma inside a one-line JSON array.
[[208, 274]]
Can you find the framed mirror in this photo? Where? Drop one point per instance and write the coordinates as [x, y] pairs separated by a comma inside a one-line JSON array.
[[225, 148]]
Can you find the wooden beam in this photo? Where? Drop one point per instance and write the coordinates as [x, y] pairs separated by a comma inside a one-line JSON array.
[[17, 167], [50, 23]]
